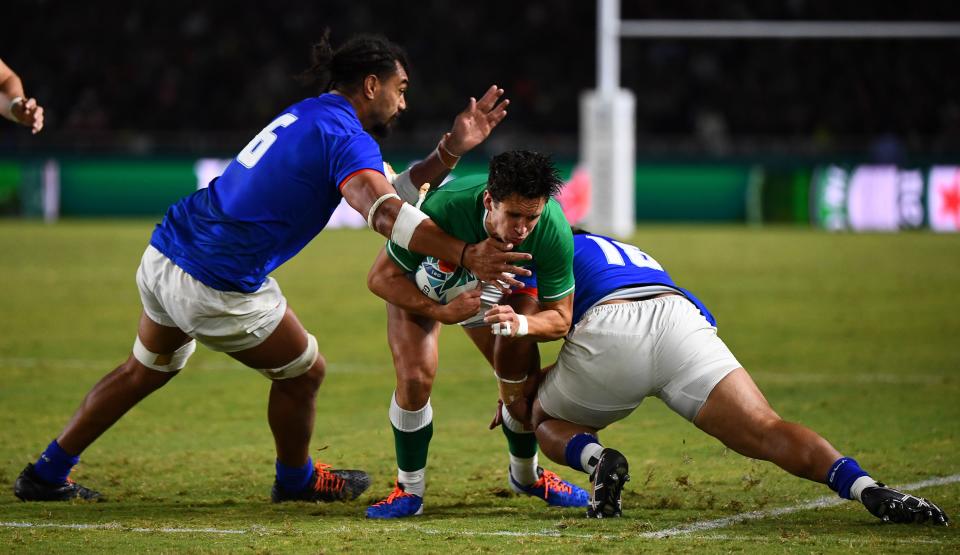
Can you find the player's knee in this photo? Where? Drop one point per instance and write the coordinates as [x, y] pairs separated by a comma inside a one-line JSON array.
[[416, 387], [316, 373], [309, 362]]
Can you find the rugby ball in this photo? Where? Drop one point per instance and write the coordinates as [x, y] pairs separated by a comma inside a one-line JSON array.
[[443, 282]]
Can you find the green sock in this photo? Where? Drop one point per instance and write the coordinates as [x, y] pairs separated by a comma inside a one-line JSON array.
[[412, 447], [521, 444]]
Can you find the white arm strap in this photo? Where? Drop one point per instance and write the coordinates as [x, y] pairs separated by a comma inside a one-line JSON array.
[[407, 221], [376, 206], [405, 188]]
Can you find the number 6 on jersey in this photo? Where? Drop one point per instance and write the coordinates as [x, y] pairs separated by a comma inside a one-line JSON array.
[[256, 148]]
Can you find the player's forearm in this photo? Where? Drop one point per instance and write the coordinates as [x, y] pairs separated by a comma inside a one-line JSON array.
[[430, 240], [388, 282], [402, 293], [10, 88], [430, 170], [547, 325]]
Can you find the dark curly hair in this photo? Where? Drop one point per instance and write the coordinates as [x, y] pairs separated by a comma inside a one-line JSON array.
[[522, 172], [346, 67]]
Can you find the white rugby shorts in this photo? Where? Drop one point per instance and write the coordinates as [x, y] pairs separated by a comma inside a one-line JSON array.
[[619, 354], [224, 321]]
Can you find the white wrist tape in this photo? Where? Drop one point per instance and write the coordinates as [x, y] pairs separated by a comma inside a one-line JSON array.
[[376, 206], [407, 221], [505, 329], [522, 325], [13, 102], [405, 188]]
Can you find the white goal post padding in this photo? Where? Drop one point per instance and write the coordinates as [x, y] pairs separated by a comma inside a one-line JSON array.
[[607, 146]]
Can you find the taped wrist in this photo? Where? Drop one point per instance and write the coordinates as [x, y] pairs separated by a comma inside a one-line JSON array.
[[13, 102], [505, 329], [376, 206], [406, 223], [405, 188]]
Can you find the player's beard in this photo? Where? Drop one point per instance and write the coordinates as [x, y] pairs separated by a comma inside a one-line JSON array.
[[382, 130]]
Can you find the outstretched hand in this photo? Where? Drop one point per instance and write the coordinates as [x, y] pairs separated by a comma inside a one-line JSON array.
[[474, 124], [27, 112], [492, 261]]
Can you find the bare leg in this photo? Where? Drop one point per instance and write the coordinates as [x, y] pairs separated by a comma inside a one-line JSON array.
[[413, 343], [121, 389], [553, 434], [737, 414], [292, 406]]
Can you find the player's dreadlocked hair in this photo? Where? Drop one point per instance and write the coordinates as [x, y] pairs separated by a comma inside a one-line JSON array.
[[346, 67], [524, 173]]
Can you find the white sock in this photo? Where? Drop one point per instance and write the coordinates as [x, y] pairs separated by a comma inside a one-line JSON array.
[[861, 484], [590, 456], [524, 471], [413, 482]]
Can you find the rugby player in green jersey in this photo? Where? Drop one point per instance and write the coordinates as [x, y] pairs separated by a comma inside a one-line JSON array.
[[513, 204]]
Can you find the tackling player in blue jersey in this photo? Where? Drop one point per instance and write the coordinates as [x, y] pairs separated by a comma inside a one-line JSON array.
[[635, 335], [205, 275]]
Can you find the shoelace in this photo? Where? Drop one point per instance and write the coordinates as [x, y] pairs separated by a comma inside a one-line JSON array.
[[327, 481], [395, 494], [551, 482]]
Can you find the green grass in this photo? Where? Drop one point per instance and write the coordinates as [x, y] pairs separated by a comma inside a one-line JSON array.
[[852, 335]]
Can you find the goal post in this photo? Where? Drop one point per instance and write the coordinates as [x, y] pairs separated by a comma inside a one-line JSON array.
[[608, 114]]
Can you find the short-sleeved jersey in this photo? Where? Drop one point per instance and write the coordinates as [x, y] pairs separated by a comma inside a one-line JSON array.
[[272, 199], [603, 266], [458, 209]]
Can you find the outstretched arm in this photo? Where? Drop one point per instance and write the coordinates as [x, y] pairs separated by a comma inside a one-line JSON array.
[[471, 127], [13, 105]]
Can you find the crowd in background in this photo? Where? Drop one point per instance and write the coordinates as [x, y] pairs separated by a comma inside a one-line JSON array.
[[202, 77]]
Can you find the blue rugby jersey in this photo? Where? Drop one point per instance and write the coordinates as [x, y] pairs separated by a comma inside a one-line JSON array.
[[272, 199], [602, 265]]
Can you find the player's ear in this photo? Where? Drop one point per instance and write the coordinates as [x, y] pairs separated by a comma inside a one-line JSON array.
[[487, 201], [371, 83]]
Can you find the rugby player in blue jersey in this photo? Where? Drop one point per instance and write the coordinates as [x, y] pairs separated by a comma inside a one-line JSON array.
[[205, 275], [635, 335]]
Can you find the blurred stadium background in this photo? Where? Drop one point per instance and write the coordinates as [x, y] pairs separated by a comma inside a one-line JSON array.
[[834, 132]]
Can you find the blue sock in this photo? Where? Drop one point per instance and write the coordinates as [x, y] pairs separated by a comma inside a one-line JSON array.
[[292, 478], [55, 464], [842, 475], [575, 449]]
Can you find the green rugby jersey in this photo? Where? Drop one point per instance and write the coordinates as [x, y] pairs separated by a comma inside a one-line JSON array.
[[458, 209]]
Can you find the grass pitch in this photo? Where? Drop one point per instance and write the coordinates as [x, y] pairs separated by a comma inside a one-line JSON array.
[[852, 335]]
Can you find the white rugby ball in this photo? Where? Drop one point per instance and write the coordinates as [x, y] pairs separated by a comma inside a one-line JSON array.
[[443, 282]]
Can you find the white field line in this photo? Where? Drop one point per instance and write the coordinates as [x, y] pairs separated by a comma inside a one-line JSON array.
[[690, 530], [120, 527], [830, 501]]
